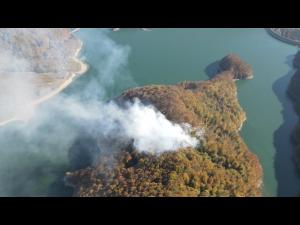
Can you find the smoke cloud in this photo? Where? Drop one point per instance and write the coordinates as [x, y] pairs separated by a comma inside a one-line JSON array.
[[32, 154], [15, 85], [148, 128]]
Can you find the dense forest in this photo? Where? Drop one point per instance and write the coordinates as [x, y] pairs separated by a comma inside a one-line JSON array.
[[238, 68], [222, 165]]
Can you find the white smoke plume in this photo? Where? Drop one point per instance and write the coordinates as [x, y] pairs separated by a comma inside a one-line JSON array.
[[149, 130], [16, 88], [33, 151]]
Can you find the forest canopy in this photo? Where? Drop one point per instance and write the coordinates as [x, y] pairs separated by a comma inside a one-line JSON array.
[[222, 165]]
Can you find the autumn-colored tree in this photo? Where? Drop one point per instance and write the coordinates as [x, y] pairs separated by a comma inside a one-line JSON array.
[[221, 166]]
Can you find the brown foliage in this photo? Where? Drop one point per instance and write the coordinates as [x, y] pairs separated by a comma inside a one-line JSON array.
[[222, 166], [238, 68]]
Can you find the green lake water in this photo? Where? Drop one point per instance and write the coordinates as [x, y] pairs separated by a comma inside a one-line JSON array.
[[168, 56], [172, 55]]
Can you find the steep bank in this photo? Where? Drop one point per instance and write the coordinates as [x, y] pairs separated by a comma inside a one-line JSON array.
[[221, 166]]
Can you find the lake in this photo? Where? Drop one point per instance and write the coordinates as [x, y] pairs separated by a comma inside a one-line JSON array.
[[168, 56]]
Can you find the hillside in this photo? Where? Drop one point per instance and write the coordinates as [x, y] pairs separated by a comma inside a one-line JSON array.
[[36, 63], [222, 165]]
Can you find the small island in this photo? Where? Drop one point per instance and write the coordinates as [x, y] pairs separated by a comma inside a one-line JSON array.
[[222, 165]]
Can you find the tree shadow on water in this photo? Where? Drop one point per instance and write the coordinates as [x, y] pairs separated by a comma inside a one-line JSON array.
[[212, 69], [286, 173]]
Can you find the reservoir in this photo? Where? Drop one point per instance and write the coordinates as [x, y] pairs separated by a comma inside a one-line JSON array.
[[166, 56]]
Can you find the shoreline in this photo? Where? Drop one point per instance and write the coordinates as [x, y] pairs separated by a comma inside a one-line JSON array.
[[295, 102], [281, 38], [67, 81]]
